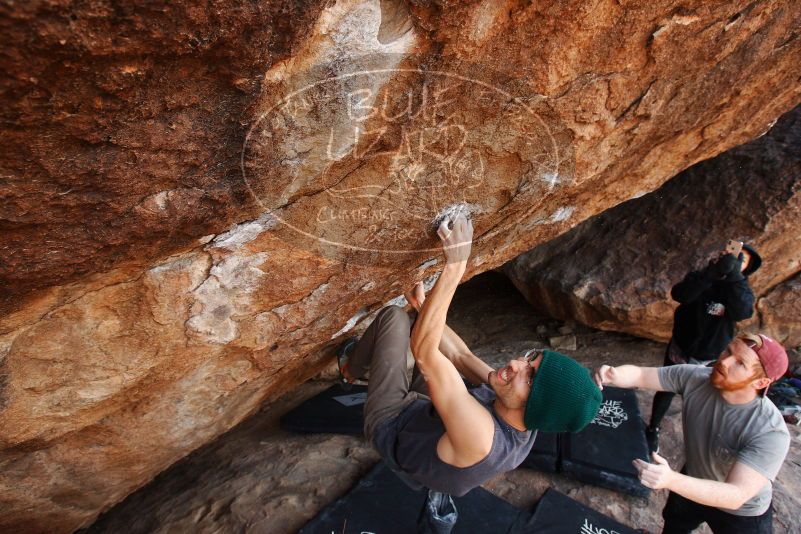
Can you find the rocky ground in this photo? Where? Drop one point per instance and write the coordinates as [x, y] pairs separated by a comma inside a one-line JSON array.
[[258, 478]]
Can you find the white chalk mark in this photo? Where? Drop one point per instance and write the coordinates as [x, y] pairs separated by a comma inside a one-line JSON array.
[[428, 263], [240, 234], [562, 214], [351, 322], [224, 294], [550, 178], [397, 301], [454, 210]]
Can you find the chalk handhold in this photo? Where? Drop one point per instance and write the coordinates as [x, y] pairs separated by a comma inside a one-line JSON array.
[[450, 213]]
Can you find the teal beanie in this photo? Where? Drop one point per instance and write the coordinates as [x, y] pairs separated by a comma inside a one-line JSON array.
[[563, 397]]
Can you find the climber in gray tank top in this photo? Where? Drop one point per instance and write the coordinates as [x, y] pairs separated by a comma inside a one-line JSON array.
[[434, 432]]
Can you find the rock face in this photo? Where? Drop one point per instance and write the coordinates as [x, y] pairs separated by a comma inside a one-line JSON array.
[[779, 312], [198, 202], [615, 270]]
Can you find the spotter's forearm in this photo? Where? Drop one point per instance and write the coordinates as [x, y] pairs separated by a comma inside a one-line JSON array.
[[708, 492]]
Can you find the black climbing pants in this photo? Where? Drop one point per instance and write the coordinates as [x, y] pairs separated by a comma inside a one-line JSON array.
[[682, 516]]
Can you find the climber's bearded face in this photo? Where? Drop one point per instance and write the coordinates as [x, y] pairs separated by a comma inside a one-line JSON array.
[[512, 383]]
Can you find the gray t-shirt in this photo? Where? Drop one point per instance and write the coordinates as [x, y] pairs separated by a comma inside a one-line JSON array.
[[718, 434]]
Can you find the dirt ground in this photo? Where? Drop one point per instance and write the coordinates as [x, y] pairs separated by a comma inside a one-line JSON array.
[[258, 478]]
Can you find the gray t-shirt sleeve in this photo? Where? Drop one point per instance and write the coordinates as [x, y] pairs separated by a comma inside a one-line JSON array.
[[765, 453], [677, 378]]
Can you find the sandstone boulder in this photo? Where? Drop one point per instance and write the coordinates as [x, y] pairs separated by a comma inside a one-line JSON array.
[[780, 312], [615, 270], [198, 202]]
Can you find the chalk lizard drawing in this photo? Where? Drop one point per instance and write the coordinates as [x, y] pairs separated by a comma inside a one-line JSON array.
[[611, 414]]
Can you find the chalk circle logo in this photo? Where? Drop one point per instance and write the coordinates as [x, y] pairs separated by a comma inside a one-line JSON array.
[[360, 162]]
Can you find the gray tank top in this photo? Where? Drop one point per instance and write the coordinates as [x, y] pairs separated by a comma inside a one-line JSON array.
[[419, 429]]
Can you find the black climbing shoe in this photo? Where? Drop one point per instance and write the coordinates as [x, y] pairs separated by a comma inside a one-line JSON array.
[[439, 514], [652, 438]]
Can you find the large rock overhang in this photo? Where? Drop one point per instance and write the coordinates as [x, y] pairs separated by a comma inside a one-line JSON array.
[[154, 288]]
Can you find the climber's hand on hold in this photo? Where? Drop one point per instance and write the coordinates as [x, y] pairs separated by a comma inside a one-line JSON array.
[[457, 238], [416, 297]]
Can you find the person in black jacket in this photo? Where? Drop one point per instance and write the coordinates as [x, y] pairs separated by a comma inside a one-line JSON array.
[[710, 301]]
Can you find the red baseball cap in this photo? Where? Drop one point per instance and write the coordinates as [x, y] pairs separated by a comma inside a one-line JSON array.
[[773, 357]]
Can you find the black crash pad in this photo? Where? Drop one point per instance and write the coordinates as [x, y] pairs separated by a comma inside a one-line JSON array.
[[603, 452], [334, 411], [381, 503], [557, 513], [544, 455]]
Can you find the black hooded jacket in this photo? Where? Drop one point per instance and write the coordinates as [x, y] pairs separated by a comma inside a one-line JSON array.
[[700, 334]]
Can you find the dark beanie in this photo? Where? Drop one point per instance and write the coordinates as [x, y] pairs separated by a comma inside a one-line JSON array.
[[563, 397], [754, 262]]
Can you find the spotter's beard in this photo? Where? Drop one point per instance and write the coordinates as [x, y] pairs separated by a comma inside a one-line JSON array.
[[723, 383]]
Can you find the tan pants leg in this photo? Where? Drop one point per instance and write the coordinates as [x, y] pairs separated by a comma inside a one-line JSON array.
[[382, 351]]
